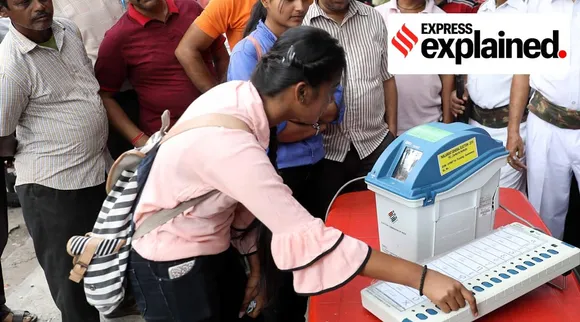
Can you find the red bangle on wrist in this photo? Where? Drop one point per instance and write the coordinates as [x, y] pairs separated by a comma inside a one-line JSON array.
[[137, 138]]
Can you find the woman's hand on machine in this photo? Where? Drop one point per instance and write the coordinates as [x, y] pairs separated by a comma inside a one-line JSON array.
[[447, 293]]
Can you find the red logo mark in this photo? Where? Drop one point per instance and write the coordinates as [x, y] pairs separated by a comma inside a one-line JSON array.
[[562, 54], [402, 40]]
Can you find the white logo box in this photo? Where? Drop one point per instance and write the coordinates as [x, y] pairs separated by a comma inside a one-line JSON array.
[[417, 41]]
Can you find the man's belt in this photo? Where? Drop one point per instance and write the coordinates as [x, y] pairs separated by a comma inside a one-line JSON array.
[[556, 115], [496, 118]]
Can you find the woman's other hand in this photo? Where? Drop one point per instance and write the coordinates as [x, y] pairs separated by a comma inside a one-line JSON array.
[[253, 298]]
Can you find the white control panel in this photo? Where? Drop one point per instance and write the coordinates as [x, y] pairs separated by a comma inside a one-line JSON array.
[[498, 268]]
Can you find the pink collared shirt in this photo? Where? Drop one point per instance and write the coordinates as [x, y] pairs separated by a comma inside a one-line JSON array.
[[235, 163], [418, 96]]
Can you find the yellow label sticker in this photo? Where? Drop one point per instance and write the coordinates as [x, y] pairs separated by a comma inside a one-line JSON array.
[[457, 156]]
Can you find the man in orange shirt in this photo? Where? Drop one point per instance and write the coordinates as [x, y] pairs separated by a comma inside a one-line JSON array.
[[218, 17]]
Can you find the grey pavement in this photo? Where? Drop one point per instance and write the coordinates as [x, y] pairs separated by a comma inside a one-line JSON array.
[[33, 295]]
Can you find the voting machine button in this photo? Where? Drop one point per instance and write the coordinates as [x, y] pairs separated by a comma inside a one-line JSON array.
[[421, 316], [513, 271], [504, 276], [495, 280], [487, 284], [478, 288], [529, 263], [545, 255], [521, 267], [407, 320], [553, 251], [537, 259], [431, 311]]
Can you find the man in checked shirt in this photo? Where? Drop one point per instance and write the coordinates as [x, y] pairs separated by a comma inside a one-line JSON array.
[[61, 126], [94, 18]]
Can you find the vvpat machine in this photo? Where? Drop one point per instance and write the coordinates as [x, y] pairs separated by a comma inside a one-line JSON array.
[[436, 189]]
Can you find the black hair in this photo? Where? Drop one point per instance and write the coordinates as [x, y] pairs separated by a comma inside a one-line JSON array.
[[258, 14], [4, 3], [301, 54]]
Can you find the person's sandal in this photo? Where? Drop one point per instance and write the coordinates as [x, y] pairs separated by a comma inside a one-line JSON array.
[[16, 316]]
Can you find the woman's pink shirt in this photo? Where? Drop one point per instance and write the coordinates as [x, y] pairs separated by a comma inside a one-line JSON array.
[[235, 163]]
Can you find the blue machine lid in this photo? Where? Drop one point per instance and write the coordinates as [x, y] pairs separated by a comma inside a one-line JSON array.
[[433, 158]]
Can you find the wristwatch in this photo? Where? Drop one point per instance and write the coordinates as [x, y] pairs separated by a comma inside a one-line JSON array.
[[316, 126]]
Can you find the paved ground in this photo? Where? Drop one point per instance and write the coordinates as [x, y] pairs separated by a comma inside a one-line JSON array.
[[24, 280]]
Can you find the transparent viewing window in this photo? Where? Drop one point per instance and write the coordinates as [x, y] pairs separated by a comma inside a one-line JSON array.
[[407, 163]]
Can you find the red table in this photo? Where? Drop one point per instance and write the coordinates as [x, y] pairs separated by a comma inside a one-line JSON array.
[[355, 214]]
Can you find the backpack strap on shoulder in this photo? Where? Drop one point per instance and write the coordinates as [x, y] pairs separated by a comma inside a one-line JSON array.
[[256, 45], [207, 120]]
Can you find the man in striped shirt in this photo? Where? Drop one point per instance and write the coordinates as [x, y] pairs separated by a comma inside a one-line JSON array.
[[6, 313], [93, 17], [49, 99], [4, 23], [370, 94]]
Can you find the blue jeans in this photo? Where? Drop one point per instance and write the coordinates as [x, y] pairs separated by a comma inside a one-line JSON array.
[[213, 290]]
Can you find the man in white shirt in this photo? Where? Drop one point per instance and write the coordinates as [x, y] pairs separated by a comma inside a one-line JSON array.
[[6, 314], [489, 96], [370, 96], [59, 120], [553, 126], [94, 18]]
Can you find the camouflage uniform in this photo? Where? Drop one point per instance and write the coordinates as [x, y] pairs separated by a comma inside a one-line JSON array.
[[556, 115], [496, 118]]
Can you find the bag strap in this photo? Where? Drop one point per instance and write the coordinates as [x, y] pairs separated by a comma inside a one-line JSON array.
[[165, 215], [208, 120], [256, 45], [82, 261]]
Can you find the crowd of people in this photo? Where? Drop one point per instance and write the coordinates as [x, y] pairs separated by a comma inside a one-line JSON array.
[[82, 81]]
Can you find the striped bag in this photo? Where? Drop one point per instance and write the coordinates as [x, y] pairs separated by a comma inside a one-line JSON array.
[[101, 256]]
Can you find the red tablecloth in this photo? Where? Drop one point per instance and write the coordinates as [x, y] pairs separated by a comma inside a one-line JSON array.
[[355, 215]]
